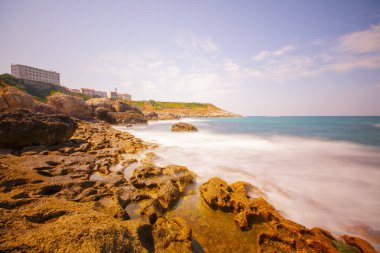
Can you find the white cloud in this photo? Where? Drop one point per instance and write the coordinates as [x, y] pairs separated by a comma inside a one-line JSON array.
[[203, 76], [231, 66], [191, 41], [357, 50], [270, 54], [367, 41]]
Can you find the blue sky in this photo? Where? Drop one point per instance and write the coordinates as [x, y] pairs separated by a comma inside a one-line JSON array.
[[249, 57]]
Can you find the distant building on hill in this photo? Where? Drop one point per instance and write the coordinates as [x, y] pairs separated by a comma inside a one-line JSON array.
[[75, 90], [101, 94], [89, 92], [112, 94], [124, 96], [35, 74]]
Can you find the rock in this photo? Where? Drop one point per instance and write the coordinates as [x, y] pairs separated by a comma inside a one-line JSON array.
[[70, 105], [44, 108], [14, 98], [172, 235], [102, 113], [217, 194], [21, 128], [168, 194], [121, 106], [274, 232], [361, 244], [94, 103], [168, 116], [183, 127], [3, 103], [151, 116], [128, 117]]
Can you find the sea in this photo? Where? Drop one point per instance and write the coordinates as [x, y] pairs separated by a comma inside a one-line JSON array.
[[317, 171]]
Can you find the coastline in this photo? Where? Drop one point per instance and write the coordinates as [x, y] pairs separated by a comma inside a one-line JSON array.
[[55, 191]]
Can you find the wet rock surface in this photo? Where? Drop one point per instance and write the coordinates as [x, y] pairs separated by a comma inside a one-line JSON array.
[[151, 116], [50, 200], [21, 128], [273, 233], [183, 127], [102, 191]]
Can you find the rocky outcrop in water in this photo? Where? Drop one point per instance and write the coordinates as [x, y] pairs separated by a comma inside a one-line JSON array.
[[128, 117], [274, 232], [151, 116], [70, 105], [21, 128], [183, 127], [94, 103]]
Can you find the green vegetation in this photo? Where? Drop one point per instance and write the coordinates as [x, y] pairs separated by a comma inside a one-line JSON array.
[[157, 105], [344, 248], [38, 90]]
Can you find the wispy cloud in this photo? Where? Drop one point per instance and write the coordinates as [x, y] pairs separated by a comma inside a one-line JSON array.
[[357, 50], [196, 74], [361, 42], [191, 41], [270, 54]]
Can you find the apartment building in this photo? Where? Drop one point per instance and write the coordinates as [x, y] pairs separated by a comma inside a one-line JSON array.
[[124, 96], [101, 94], [112, 94], [86, 91], [35, 74]]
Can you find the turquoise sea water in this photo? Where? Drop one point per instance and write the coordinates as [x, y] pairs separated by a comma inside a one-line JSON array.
[[364, 130], [318, 171]]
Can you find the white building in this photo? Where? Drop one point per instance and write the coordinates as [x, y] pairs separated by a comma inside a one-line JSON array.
[[86, 91], [101, 94], [35, 74], [124, 96], [112, 94], [75, 90]]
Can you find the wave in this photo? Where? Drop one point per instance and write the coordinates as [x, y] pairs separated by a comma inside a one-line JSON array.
[[318, 183], [377, 125]]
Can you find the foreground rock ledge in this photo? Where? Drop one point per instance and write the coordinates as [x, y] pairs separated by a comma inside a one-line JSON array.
[[21, 127], [48, 201], [183, 127], [275, 233]]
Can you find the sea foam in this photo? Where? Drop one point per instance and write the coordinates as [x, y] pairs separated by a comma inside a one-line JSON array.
[[318, 183]]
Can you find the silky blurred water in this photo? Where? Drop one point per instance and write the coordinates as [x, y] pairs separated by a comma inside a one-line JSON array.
[[318, 171]]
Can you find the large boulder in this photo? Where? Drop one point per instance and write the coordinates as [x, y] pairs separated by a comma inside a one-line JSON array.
[[359, 243], [121, 106], [172, 235], [94, 103], [11, 97], [102, 113], [44, 108], [183, 127], [21, 127], [151, 116], [70, 105], [128, 117]]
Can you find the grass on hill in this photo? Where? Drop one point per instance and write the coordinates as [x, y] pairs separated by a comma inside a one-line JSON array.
[[157, 105], [40, 90]]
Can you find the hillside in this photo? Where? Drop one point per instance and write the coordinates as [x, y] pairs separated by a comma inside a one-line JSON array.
[[38, 90], [165, 110], [183, 109]]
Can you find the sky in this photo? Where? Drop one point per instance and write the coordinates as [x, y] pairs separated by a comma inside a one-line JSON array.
[[269, 58]]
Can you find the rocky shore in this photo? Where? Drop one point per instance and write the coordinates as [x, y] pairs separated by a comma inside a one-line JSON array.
[[78, 185]]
